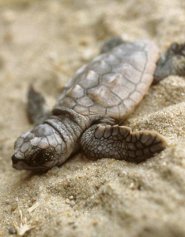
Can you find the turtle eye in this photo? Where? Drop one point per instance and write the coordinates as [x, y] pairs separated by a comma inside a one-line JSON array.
[[41, 157]]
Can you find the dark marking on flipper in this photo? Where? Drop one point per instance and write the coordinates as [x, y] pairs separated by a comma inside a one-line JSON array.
[[36, 106], [172, 62]]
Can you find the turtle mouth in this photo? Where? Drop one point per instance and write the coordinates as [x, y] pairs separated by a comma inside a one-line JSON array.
[[22, 165]]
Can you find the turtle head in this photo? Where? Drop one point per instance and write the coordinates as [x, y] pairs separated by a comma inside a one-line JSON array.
[[38, 149]]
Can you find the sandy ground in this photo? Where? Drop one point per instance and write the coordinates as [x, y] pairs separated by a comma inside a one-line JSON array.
[[44, 42]]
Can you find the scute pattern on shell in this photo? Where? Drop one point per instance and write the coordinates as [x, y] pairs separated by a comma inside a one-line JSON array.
[[113, 83]]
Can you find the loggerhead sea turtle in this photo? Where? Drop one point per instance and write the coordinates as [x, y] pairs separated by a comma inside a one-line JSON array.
[[93, 106]]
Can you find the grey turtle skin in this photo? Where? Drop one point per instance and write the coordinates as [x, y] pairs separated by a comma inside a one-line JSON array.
[[90, 113]]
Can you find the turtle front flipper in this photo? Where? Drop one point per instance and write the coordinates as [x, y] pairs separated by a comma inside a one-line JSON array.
[[36, 106], [172, 62], [119, 142]]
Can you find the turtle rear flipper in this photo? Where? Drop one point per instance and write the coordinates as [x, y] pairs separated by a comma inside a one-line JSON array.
[[111, 43], [36, 106], [119, 142], [171, 63]]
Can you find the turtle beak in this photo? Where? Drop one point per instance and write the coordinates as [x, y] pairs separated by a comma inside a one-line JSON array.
[[17, 163], [14, 159], [20, 164]]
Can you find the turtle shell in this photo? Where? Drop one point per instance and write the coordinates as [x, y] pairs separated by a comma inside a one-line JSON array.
[[113, 83]]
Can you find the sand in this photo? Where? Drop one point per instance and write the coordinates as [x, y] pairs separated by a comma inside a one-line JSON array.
[[44, 42]]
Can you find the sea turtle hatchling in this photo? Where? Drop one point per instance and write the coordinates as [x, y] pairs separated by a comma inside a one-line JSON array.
[[93, 106]]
